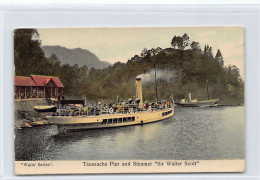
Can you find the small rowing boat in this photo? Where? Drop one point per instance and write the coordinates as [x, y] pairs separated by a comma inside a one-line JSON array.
[[50, 108]]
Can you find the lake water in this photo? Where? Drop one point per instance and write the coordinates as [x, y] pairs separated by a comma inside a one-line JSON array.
[[193, 133]]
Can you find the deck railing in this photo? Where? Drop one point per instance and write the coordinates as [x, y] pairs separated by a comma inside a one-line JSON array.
[[96, 111]]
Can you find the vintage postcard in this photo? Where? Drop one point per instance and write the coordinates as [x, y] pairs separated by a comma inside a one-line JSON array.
[[129, 100]]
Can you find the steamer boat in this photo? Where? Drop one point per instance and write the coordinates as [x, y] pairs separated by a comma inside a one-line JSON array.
[[195, 103], [136, 113]]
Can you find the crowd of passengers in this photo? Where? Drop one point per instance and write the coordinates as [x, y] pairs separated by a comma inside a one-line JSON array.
[[113, 108]]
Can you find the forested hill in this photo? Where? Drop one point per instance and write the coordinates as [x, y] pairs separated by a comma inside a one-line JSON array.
[[75, 56], [181, 69], [178, 72]]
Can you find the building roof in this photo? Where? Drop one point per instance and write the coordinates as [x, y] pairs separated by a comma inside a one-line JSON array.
[[36, 80], [57, 81], [23, 81], [43, 80]]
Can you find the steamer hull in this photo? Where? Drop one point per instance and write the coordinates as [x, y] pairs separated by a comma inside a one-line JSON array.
[[73, 123]]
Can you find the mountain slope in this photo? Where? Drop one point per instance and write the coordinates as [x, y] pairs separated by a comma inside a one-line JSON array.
[[75, 56]]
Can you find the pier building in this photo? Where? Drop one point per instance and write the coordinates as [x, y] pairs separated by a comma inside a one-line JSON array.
[[37, 86]]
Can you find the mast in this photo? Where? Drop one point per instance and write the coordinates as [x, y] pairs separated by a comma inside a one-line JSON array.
[[207, 84], [155, 84]]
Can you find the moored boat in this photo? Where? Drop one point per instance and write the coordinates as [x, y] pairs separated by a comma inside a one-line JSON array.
[[50, 108], [195, 103], [205, 103]]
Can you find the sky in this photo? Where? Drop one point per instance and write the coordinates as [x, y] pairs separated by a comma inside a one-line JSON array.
[[120, 44]]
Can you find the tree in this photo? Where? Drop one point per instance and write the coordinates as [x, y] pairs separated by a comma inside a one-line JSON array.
[[185, 41], [151, 52], [195, 46], [219, 58], [157, 50], [53, 66], [28, 55], [179, 42], [174, 42], [208, 51], [136, 58], [144, 52], [205, 49], [235, 72]]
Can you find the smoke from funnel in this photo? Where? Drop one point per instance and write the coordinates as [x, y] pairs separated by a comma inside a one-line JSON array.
[[164, 74]]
